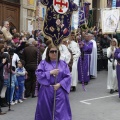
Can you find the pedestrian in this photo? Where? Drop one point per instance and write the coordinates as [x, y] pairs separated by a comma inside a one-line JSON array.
[[30, 56], [46, 74], [112, 84], [11, 86], [20, 75], [6, 32], [2, 63]]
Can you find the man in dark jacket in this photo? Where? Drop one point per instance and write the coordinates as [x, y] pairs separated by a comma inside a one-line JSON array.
[[30, 55], [2, 63]]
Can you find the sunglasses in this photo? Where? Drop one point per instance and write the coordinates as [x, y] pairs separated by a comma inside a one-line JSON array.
[[53, 51]]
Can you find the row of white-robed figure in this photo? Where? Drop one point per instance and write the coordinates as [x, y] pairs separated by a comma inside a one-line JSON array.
[[90, 58]]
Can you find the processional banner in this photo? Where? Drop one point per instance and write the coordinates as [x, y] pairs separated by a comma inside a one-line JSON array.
[[110, 20], [57, 23]]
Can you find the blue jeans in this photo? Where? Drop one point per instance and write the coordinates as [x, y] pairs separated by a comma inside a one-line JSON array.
[[19, 91], [8, 95], [5, 82]]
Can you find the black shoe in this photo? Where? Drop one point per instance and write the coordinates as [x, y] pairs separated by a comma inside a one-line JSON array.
[[2, 113], [74, 88], [116, 90], [111, 91]]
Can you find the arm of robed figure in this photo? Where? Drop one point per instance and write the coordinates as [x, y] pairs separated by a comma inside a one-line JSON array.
[[109, 52], [43, 77]]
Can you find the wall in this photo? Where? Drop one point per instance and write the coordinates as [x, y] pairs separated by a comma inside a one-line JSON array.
[[29, 15]]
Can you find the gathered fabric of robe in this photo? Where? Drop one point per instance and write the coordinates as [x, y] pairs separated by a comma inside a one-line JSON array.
[[112, 77], [117, 57], [84, 62], [46, 92], [64, 54], [73, 46], [93, 62]]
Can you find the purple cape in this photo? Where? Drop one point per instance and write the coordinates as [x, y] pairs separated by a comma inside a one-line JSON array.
[[44, 107], [117, 57]]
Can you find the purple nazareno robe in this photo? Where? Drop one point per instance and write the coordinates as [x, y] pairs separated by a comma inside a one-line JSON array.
[[44, 109], [117, 57], [84, 62]]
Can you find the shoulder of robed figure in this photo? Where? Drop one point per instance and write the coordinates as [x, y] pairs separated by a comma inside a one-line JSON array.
[[73, 42], [62, 47], [63, 63], [43, 62]]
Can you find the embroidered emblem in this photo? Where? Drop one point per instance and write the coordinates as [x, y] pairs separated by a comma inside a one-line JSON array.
[[61, 6]]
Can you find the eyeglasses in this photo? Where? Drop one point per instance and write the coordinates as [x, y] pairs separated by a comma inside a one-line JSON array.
[[53, 51]]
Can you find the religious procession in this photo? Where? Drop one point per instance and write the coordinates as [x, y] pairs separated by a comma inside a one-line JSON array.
[[59, 59]]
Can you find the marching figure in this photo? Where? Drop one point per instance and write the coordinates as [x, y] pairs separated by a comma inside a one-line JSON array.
[[74, 48], [112, 84], [117, 57], [46, 73], [93, 62], [84, 60]]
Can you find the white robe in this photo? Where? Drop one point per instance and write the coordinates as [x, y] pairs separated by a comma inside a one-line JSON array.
[[64, 53], [73, 46], [93, 62], [112, 77]]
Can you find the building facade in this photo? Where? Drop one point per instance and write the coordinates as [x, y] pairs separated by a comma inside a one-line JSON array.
[[10, 11], [29, 15], [23, 14]]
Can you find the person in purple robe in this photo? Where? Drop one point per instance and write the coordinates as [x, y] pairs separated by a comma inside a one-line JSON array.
[[84, 60], [117, 57], [46, 74]]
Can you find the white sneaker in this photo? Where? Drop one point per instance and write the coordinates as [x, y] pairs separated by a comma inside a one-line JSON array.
[[16, 101], [12, 103], [20, 101]]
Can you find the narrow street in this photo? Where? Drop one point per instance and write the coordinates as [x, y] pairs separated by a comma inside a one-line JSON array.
[[94, 104]]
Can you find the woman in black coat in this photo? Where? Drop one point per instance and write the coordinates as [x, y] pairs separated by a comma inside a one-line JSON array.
[[2, 63]]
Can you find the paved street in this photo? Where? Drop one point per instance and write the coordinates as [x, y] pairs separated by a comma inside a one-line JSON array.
[[94, 104]]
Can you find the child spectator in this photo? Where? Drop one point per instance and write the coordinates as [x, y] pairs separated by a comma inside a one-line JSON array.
[[6, 77], [14, 84], [20, 74]]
